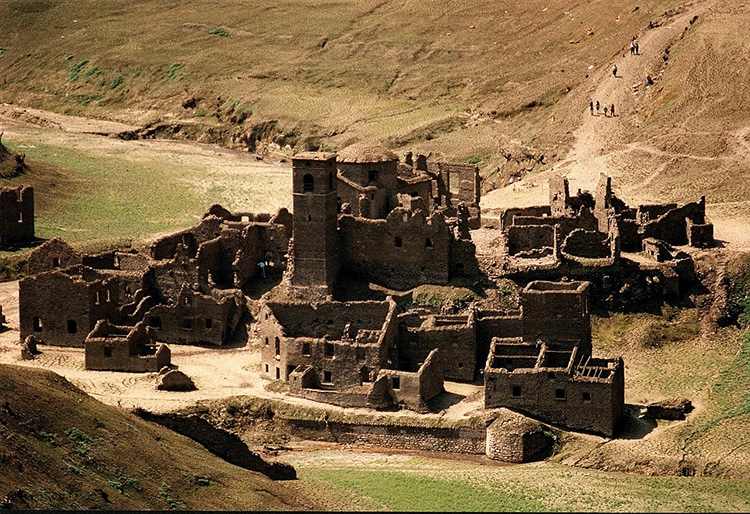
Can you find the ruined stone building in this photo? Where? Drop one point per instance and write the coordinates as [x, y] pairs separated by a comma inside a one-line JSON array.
[[16, 215], [362, 213], [121, 348], [61, 307], [356, 213], [585, 237], [343, 353], [586, 228], [186, 289], [548, 371]]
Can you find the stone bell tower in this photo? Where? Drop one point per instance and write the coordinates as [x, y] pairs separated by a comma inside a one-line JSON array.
[[315, 256]]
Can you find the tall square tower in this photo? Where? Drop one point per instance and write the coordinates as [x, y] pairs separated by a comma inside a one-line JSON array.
[[315, 255]]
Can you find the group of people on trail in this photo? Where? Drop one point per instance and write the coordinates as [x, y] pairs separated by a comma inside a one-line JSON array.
[[608, 110], [634, 47]]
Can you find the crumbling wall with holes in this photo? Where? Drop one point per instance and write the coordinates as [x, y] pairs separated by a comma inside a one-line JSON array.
[[403, 251], [61, 307]]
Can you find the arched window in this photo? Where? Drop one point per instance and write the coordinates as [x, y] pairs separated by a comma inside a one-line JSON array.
[[308, 183]]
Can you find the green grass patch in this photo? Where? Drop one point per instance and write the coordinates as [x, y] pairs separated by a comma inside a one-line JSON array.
[[76, 69], [116, 82], [219, 31], [731, 392], [406, 483], [111, 198], [174, 73], [399, 491]]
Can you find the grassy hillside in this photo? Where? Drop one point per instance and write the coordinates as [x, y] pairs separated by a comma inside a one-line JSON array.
[[64, 450], [449, 77]]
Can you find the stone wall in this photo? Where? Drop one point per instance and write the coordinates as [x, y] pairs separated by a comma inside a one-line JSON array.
[[495, 324], [453, 440], [589, 396], [588, 244], [346, 343], [16, 215], [81, 298], [508, 215], [516, 438], [50, 255], [402, 252], [197, 318], [558, 313], [455, 337], [531, 240], [118, 348], [413, 389]]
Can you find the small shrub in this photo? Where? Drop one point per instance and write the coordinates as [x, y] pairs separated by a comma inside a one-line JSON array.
[[134, 483], [474, 160], [78, 435], [116, 82], [76, 69], [117, 485], [91, 72], [173, 73], [220, 31], [75, 470]]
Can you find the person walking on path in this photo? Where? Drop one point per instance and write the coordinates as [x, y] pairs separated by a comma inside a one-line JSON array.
[[597, 107], [605, 111], [591, 107], [632, 48], [612, 110], [614, 70], [637, 52]]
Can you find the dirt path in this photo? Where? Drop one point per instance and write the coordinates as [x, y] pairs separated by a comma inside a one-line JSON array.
[[600, 141]]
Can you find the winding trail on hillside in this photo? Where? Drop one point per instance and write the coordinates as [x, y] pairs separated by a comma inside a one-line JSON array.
[[600, 141]]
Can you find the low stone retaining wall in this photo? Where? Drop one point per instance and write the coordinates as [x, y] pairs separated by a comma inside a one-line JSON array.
[[439, 439]]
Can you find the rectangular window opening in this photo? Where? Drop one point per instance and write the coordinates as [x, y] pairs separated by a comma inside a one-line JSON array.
[[72, 326], [306, 350], [37, 323], [559, 394], [515, 391], [396, 382]]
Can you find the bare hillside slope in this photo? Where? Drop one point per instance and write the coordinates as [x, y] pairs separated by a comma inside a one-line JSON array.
[[481, 80], [64, 450]]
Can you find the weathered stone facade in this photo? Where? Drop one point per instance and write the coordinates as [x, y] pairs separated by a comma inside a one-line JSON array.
[[564, 387], [515, 438], [16, 215], [346, 344], [62, 307], [121, 348], [52, 254], [185, 289]]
